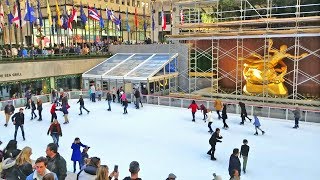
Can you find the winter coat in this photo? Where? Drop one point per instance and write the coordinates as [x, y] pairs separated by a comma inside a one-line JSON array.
[[244, 150], [7, 153], [18, 118], [88, 173], [217, 105], [53, 108], [203, 108], [93, 89], [28, 94], [57, 164], [144, 91], [123, 96], [81, 101], [113, 91], [137, 94], [297, 113], [109, 98], [7, 168], [35, 176], [193, 107], [33, 105], [234, 163], [39, 105], [23, 170], [210, 117], [243, 108], [129, 178], [214, 139], [256, 121], [9, 109], [76, 153], [55, 128], [224, 113]]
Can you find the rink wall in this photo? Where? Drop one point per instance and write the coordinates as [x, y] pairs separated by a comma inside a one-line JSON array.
[[277, 112]]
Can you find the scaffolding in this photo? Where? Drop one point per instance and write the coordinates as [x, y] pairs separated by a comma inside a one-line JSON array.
[[245, 24]]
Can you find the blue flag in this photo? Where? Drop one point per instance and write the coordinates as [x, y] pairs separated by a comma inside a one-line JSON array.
[[65, 21], [30, 16], [83, 16], [7, 2], [101, 22], [10, 17], [40, 14]]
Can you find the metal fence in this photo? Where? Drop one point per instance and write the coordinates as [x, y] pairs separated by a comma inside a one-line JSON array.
[[277, 112]]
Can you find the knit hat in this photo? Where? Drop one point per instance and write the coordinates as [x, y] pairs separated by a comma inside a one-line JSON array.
[[171, 175]]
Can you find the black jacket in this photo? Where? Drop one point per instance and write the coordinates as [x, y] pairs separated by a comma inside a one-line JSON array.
[[81, 102], [244, 150], [39, 106], [33, 105], [129, 178], [243, 108], [224, 113], [19, 118], [58, 165], [9, 109], [21, 172], [234, 163], [109, 98], [137, 94], [214, 139]]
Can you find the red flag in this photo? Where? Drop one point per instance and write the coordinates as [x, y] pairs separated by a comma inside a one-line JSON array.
[[135, 17], [163, 20], [73, 17], [181, 17]]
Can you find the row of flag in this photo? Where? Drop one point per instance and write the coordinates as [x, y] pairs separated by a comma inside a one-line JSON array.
[[65, 21]]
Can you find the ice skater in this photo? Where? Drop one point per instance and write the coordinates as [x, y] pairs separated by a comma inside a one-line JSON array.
[[244, 153], [224, 117], [125, 105], [18, 121], [194, 107], [243, 113], [8, 110], [218, 106], [257, 125], [210, 120], [109, 99], [213, 141], [33, 108], [53, 112], [81, 101], [64, 108], [76, 153], [297, 115], [204, 111], [39, 108], [55, 131], [114, 91]]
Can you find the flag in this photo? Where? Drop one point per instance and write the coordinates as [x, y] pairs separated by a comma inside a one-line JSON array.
[[30, 14], [1, 16], [40, 14], [153, 23], [113, 18], [58, 14], [163, 20], [119, 21], [93, 14], [127, 17], [181, 17], [101, 22], [64, 21], [49, 14], [73, 17], [136, 17], [16, 19], [144, 19], [83, 16]]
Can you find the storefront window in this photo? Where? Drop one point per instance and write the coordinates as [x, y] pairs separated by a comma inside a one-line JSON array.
[[68, 83]]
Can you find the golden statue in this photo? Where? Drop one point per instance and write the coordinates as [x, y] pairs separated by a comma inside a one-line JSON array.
[[265, 74]]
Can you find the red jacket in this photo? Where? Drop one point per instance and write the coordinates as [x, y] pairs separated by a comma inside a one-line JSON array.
[[193, 107], [55, 126], [53, 108]]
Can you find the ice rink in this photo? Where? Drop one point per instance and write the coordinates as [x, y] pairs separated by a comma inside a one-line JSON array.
[[164, 140]]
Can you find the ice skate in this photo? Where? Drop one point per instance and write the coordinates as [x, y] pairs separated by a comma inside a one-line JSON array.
[[263, 132], [213, 159], [256, 133]]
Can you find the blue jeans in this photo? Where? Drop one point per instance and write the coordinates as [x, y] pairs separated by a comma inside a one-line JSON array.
[[296, 121], [109, 102], [55, 137]]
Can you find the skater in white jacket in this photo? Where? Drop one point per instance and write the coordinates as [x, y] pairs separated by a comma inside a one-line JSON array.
[[210, 120]]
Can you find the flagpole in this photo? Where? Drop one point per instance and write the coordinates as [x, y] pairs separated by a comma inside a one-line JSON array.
[[120, 29], [108, 35], [89, 25], [127, 16], [103, 22], [136, 24], [152, 22], [144, 22]]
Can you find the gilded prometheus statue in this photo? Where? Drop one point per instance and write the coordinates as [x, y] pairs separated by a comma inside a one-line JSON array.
[[266, 74]]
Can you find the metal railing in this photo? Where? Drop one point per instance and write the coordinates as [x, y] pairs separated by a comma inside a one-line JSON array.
[[277, 112]]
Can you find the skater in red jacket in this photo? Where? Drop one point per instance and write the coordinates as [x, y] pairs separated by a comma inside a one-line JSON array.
[[53, 112], [194, 107]]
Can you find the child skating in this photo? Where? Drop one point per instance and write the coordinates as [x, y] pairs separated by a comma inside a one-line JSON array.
[[194, 107], [244, 153], [204, 110], [257, 125], [210, 120]]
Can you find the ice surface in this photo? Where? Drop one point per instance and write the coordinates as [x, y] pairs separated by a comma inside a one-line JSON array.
[[164, 140]]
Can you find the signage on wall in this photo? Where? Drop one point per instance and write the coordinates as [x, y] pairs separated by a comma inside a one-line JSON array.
[[10, 75]]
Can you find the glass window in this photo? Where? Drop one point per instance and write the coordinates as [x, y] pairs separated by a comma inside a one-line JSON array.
[[168, 17], [117, 2], [128, 2], [138, 4], [133, 3]]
